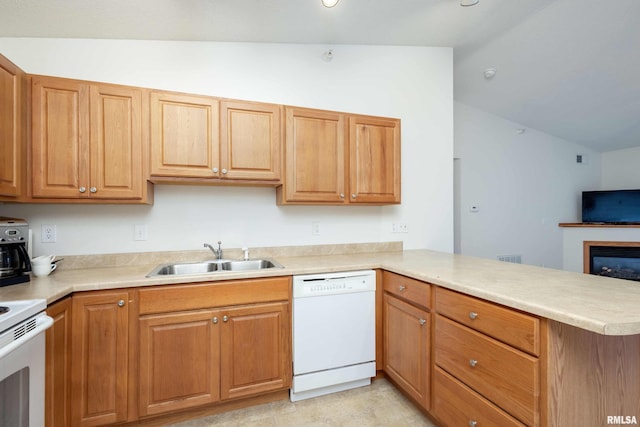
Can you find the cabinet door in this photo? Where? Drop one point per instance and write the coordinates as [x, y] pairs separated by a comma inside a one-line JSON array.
[[406, 348], [116, 142], [315, 157], [374, 160], [179, 361], [184, 135], [100, 345], [13, 135], [58, 365], [60, 138], [255, 349], [250, 140]]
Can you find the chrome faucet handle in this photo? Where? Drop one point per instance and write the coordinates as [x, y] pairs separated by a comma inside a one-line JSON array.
[[246, 253], [216, 252]]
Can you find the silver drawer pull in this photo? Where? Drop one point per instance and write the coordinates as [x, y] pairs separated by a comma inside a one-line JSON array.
[[214, 320], [473, 423], [121, 303], [225, 318], [473, 363], [473, 315], [422, 321], [402, 288]]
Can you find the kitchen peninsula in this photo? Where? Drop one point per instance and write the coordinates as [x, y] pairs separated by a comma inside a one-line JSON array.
[[586, 331]]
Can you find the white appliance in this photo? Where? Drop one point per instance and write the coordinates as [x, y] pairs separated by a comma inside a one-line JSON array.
[[22, 355], [334, 342]]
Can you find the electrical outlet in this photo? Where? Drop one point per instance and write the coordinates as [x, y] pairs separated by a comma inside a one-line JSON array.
[[315, 228], [49, 234], [140, 232], [399, 227]]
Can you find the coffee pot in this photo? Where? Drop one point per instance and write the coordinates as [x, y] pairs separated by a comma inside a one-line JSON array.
[[14, 258]]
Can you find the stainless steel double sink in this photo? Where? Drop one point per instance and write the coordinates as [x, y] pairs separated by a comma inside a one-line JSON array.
[[212, 266]]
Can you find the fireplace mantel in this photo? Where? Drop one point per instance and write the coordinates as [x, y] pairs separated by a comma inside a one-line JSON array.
[[574, 236], [591, 225]]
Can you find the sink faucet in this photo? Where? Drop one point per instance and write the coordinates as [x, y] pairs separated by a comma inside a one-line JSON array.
[[216, 252]]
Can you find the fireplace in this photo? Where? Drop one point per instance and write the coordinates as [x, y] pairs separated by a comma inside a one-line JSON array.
[[620, 260]]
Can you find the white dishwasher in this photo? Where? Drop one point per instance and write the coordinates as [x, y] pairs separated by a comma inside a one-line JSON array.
[[334, 338]]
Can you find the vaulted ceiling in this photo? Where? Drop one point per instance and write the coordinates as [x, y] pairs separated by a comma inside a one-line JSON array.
[[570, 68]]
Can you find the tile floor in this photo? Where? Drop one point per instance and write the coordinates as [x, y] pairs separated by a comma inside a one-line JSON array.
[[379, 404]]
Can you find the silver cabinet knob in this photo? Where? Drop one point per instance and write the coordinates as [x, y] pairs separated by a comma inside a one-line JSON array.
[[121, 303], [215, 320], [473, 423], [82, 189], [402, 288], [354, 195], [342, 195], [93, 189], [225, 318], [224, 171], [215, 170], [422, 322], [473, 363], [473, 315]]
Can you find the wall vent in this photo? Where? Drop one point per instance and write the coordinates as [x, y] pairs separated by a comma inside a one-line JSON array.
[[516, 259]]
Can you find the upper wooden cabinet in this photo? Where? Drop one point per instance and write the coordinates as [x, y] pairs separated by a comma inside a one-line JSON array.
[[13, 131], [314, 157], [184, 135], [374, 160], [87, 141], [202, 137], [337, 158], [250, 140]]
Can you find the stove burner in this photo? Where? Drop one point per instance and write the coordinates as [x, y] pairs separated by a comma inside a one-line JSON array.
[[3, 310]]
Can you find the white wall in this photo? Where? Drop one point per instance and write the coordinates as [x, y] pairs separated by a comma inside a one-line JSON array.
[[411, 83], [523, 185], [620, 169]]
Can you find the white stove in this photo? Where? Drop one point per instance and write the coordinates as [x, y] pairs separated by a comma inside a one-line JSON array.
[[14, 312], [22, 354]]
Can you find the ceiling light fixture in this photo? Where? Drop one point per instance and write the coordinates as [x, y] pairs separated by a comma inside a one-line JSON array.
[[331, 3], [466, 3]]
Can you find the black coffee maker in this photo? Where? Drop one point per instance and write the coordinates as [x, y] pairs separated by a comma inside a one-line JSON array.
[[15, 264]]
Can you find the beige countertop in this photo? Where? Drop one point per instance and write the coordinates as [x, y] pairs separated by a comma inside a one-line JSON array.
[[598, 304]]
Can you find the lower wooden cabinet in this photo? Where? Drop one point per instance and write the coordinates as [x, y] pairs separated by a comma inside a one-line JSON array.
[[99, 358], [455, 404], [407, 349], [193, 358], [179, 361], [58, 365], [255, 349], [407, 335], [117, 356], [479, 359], [193, 351]]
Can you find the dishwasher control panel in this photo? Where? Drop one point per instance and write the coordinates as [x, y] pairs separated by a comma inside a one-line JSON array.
[[334, 283]]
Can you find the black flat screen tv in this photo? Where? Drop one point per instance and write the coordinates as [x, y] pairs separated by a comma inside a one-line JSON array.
[[611, 207]]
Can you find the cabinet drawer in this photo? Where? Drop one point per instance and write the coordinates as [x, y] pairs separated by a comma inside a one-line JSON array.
[[457, 405], [512, 327], [170, 298], [507, 377], [408, 289]]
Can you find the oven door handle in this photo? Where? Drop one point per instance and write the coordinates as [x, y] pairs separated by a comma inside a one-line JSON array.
[[42, 323]]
